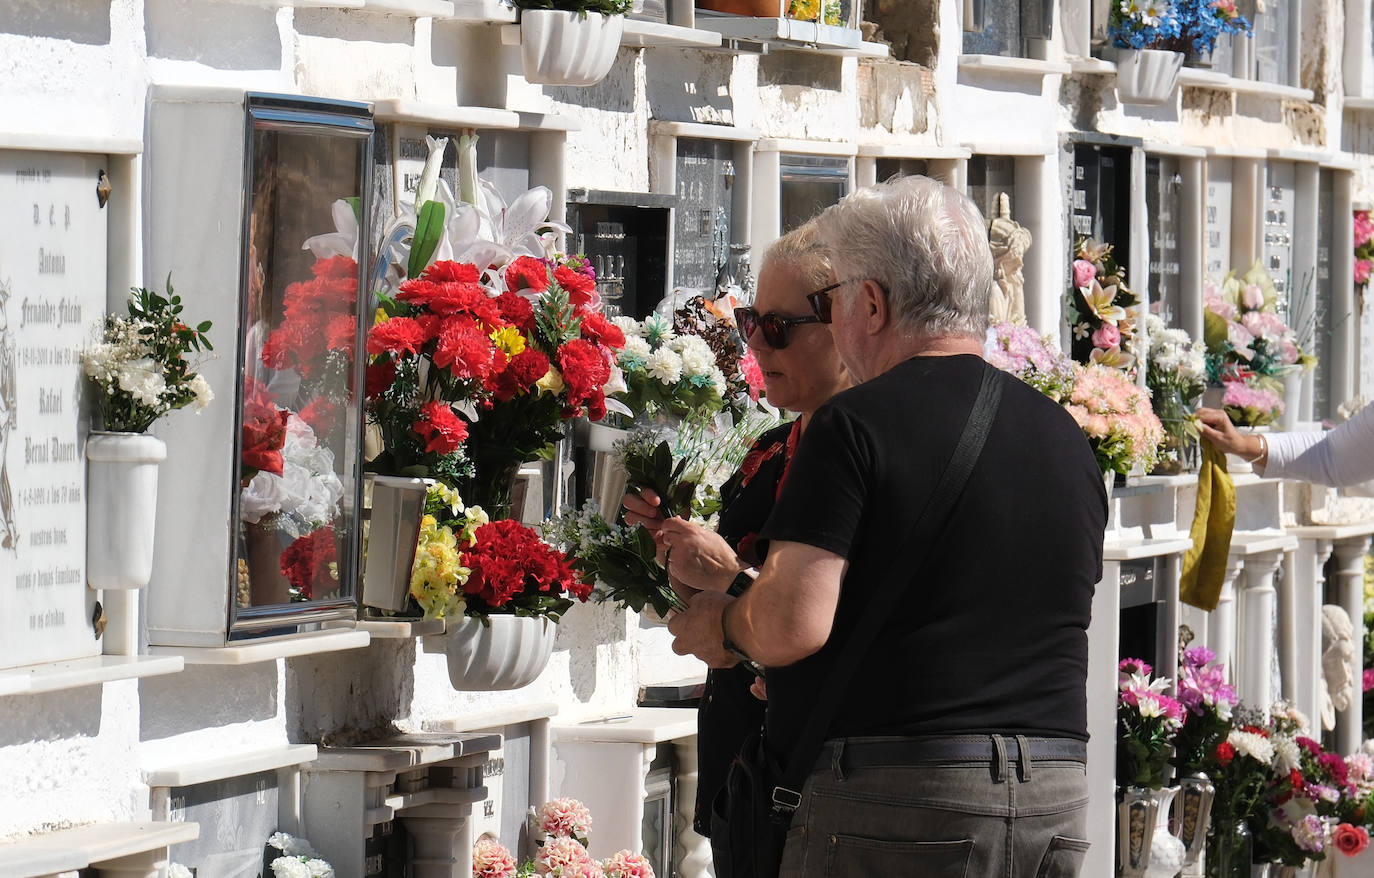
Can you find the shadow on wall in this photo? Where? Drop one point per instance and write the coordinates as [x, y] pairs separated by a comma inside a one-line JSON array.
[[51, 716], [689, 86], [345, 24], [595, 626], [227, 36], [79, 22], [204, 696], [344, 698], [614, 94]]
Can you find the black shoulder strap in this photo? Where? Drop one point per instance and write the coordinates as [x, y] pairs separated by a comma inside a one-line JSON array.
[[787, 796]]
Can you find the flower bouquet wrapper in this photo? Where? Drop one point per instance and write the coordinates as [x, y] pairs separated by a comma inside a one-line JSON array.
[[1204, 567]]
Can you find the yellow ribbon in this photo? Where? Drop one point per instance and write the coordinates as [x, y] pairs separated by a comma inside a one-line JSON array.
[[1204, 567]]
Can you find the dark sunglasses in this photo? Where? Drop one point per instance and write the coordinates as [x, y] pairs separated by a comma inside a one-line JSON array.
[[774, 326], [820, 301]]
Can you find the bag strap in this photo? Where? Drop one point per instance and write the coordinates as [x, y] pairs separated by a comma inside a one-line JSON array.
[[787, 795]]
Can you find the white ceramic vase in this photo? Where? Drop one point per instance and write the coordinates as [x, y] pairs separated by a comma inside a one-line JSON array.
[[1167, 853], [558, 47], [508, 652], [1146, 76], [1292, 398], [121, 508], [393, 527], [607, 478]]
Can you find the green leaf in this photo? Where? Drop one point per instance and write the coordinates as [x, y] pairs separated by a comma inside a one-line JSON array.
[[429, 228], [357, 204]]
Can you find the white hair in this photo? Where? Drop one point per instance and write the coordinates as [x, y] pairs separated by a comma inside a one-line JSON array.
[[925, 243]]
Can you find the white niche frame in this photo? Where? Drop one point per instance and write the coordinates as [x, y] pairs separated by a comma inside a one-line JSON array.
[[1192, 168], [765, 225]]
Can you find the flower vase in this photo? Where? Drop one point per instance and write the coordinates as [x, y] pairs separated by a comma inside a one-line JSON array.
[[1192, 814], [492, 487], [1146, 76], [1229, 847], [121, 508], [497, 653], [391, 530], [1136, 815], [560, 47], [1292, 398], [607, 477], [1166, 850]]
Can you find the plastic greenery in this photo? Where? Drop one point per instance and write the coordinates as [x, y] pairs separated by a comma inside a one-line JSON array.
[[652, 465], [582, 7], [140, 367], [620, 558]]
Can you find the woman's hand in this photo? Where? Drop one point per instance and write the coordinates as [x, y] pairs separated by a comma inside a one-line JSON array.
[[1216, 427], [697, 557], [643, 508]]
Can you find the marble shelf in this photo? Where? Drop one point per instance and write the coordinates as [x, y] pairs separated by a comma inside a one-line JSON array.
[[268, 648], [91, 671], [183, 774], [403, 752], [72, 849], [1013, 65], [496, 718], [642, 725]]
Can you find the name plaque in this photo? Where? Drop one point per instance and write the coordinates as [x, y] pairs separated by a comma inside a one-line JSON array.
[[1217, 224], [52, 301]]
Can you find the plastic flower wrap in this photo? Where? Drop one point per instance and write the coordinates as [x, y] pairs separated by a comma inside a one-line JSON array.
[[140, 367], [1146, 722], [1117, 418], [1101, 308]]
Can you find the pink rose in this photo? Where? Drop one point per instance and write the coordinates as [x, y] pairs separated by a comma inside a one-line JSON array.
[[1351, 840], [1084, 272], [1252, 297], [1106, 336], [1362, 268], [1364, 228]]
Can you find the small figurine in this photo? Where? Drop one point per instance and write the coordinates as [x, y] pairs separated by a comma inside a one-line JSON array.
[[1009, 241]]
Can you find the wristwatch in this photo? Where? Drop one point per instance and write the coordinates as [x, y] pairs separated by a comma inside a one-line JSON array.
[[740, 584], [729, 644]]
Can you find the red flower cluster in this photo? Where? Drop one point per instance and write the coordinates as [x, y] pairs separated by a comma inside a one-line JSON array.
[[510, 559], [1225, 753], [579, 286], [442, 430], [318, 315], [305, 563], [321, 415], [527, 273], [585, 372], [264, 430]]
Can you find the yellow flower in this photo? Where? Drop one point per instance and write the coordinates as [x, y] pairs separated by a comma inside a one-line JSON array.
[[379, 317], [552, 382], [508, 339], [438, 570]]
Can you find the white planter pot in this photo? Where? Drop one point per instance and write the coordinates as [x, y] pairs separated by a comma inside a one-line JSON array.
[[559, 48], [121, 508], [1292, 399], [607, 477], [507, 653], [393, 527], [1146, 76]]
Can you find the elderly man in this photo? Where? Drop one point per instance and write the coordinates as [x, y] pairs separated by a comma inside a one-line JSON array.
[[958, 746]]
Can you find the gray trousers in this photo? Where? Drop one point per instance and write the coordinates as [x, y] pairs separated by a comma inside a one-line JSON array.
[[987, 819]]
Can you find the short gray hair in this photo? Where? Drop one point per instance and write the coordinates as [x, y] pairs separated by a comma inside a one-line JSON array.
[[802, 252], [925, 242]]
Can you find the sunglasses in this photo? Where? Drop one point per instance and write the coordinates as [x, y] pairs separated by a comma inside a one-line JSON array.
[[774, 326], [820, 299]]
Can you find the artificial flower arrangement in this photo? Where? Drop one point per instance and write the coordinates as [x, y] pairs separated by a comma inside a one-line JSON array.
[[140, 366], [823, 11], [1174, 25], [667, 373], [1112, 411], [1249, 347], [1208, 702], [1176, 375], [1364, 247], [1146, 721], [563, 827], [1101, 308]]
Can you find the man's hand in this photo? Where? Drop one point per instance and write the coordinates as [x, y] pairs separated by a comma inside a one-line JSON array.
[[697, 557], [698, 631], [643, 508]]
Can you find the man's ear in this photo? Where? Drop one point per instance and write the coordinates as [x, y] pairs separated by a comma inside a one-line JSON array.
[[875, 307]]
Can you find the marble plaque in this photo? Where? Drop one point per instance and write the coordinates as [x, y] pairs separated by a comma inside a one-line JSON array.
[[1279, 200], [1324, 320], [236, 816], [52, 300], [1366, 388], [1162, 186], [701, 224], [1217, 222]]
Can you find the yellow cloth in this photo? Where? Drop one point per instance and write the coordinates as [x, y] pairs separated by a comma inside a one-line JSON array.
[[1204, 567]]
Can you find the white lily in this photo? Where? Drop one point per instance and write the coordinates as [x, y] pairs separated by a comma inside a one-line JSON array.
[[343, 241]]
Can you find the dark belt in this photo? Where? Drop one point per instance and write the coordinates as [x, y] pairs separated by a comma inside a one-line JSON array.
[[891, 752]]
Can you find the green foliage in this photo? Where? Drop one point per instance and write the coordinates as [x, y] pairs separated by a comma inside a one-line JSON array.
[[605, 7], [429, 229], [653, 467]]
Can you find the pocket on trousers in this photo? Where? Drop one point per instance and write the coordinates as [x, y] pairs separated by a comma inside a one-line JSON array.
[[1063, 858], [858, 856]]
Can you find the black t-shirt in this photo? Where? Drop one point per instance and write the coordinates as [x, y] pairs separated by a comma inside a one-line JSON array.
[[992, 636]]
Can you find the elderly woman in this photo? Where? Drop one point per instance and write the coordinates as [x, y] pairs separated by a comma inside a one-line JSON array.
[[801, 370]]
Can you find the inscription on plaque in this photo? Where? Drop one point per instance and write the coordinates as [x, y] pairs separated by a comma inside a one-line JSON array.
[[701, 231], [1162, 186], [1279, 202], [52, 297], [1217, 222]]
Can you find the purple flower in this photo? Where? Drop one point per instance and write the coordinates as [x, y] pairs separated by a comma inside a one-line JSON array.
[[1197, 656], [1134, 666], [1309, 833]]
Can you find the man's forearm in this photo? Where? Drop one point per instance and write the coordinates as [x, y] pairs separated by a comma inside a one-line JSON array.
[[772, 632]]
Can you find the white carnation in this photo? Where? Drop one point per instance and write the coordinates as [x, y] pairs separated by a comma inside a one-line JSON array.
[[319, 869], [1257, 747], [1286, 754], [290, 867], [636, 347], [290, 845], [697, 362], [201, 388], [142, 380], [629, 326], [665, 365]]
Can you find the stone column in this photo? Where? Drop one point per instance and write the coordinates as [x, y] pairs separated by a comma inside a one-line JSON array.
[[442, 839], [691, 852], [1255, 637], [1349, 572], [1221, 622], [1300, 627]]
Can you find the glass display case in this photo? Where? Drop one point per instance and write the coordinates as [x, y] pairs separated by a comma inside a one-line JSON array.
[[1163, 207], [300, 422], [810, 184]]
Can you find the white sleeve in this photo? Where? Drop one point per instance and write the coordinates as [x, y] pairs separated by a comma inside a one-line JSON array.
[[1343, 457]]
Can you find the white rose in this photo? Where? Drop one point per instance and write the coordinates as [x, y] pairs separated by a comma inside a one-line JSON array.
[[665, 365], [264, 496]]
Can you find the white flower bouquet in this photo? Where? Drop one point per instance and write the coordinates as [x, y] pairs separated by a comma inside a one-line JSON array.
[[668, 373], [140, 367]]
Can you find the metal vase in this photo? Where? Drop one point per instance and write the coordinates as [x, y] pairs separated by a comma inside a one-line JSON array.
[[1192, 813], [393, 528], [1136, 815]]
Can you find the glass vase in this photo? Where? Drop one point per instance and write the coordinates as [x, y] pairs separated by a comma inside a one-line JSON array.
[[492, 487], [1229, 848]]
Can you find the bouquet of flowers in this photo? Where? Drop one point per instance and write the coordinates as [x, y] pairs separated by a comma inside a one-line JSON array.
[[1034, 358], [1176, 374], [620, 559], [1116, 416], [563, 826], [140, 367], [668, 373], [1288, 828], [1364, 247], [295, 858], [1208, 700], [446, 530], [1101, 308], [1241, 767], [1249, 347], [1174, 25], [714, 322], [1146, 720]]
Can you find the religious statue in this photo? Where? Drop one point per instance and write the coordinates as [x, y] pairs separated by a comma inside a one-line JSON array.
[[1009, 241]]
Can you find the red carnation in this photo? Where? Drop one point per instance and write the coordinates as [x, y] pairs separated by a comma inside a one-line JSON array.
[[448, 271], [464, 349], [597, 329], [264, 430], [518, 374], [527, 273], [379, 377], [321, 415], [440, 427], [449, 298], [340, 332], [397, 335], [584, 369], [1351, 840], [578, 286], [509, 559], [305, 563], [516, 310], [1225, 753], [1295, 778]]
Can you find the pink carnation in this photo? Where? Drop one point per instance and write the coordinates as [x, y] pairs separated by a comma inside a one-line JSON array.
[[565, 818], [1084, 272], [1364, 228], [491, 859], [626, 864], [1362, 269], [752, 372], [566, 858]]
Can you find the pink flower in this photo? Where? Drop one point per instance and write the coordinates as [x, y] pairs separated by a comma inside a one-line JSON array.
[[1368, 679], [1362, 269], [1364, 228], [565, 818], [1351, 840], [1107, 336], [1252, 297], [752, 372], [491, 859], [1219, 306], [566, 858], [1083, 273], [626, 864]]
